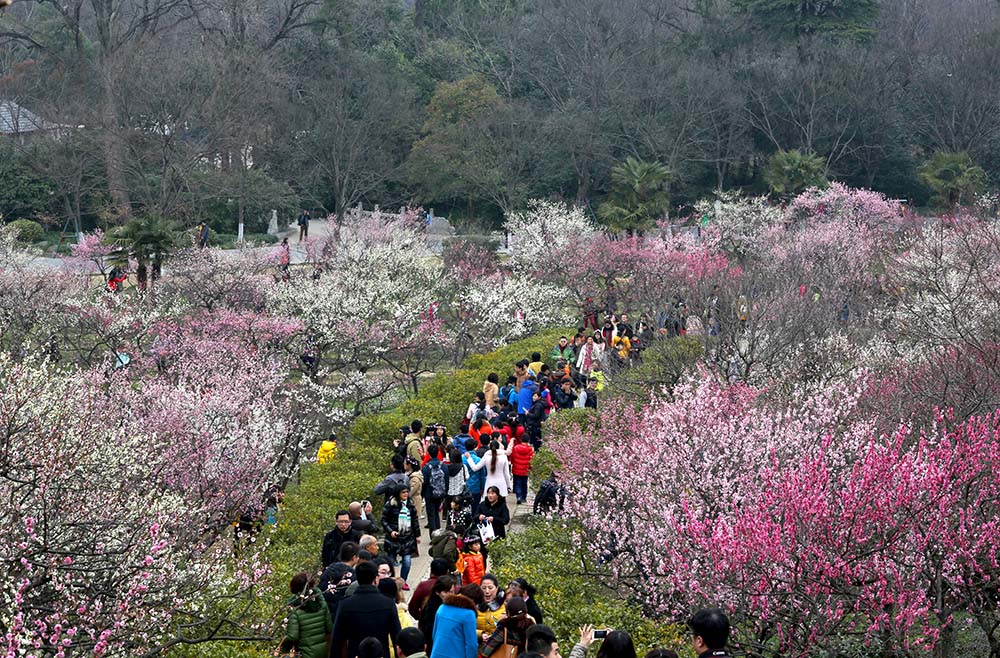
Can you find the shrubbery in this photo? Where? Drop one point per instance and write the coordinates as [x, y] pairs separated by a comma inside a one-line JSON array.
[[363, 459], [571, 590], [28, 231]]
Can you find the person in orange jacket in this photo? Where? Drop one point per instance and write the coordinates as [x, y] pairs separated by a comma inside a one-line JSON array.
[[475, 566]]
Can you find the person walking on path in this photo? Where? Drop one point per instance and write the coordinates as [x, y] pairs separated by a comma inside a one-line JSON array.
[[304, 224], [366, 614], [435, 486], [439, 567], [455, 625], [497, 468], [309, 624], [494, 510], [402, 530], [343, 532], [521, 453], [394, 481]]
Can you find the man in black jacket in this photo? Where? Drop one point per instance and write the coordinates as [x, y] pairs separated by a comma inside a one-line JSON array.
[[343, 532], [368, 613], [337, 577], [565, 397], [709, 633]]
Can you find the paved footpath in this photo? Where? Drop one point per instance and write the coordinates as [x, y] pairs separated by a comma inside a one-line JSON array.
[[421, 567]]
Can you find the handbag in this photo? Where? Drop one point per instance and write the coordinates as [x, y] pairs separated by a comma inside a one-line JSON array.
[[506, 650], [486, 532]]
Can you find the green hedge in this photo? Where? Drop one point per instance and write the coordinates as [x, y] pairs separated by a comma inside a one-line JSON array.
[[361, 461], [28, 231], [572, 590]]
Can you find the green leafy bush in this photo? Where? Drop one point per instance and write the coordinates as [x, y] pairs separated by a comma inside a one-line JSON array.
[[573, 590], [260, 238], [28, 231], [791, 172], [953, 177], [362, 460]]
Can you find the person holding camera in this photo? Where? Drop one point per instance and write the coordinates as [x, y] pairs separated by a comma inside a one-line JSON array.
[[616, 644]]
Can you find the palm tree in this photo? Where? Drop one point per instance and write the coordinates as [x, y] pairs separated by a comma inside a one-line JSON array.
[[638, 195], [149, 240]]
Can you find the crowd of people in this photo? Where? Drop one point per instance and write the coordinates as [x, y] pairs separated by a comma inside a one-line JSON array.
[[471, 621], [456, 486]]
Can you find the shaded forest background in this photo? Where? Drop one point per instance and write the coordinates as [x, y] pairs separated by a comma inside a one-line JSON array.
[[217, 110]]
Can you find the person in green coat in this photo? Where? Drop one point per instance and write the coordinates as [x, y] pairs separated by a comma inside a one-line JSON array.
[[309, 623]]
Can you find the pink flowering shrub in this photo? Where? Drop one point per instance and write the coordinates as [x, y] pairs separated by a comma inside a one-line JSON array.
[[801, 518], [856, 207]]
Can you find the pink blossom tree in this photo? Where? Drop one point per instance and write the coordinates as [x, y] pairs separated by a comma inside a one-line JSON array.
[[799, 515]]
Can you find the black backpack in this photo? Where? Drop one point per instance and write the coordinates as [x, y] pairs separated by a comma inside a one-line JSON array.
[[439, 481]]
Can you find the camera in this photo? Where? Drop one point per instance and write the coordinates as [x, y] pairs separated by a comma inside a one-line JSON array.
[[601, 634]]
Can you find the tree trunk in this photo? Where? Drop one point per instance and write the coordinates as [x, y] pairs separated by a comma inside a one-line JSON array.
[[114, 150]]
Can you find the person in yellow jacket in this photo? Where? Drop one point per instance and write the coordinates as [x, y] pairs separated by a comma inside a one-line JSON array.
[[491, 609], [327, 450], [393, 588], [598, 374]]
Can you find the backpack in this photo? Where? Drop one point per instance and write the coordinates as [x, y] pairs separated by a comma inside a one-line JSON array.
[[439, 481], [474, 480]]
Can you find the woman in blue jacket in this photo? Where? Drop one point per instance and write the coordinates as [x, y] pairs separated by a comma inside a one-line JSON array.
[[455, 625]]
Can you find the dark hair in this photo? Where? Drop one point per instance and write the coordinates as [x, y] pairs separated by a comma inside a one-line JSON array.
[[474, 592], [388, 587], [512, 379], [455, 456], [433, 450], [416, 426], [480, 396], [440, 567], [489, 576], [525, 586], [540, 639], [618, 644], [341, 513], [494, 488], [379, 560], [397, 462], [515, 605], [494, 446], [348, 551], [712, 625], [660, 653], [443, 583], [365, 556], [366, 573], [301, 583], [493, 378], [410, 640], [370, 647], [536, 356], [471, 443]]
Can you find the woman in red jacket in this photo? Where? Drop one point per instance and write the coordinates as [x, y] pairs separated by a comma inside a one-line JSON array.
[[520, 453]]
